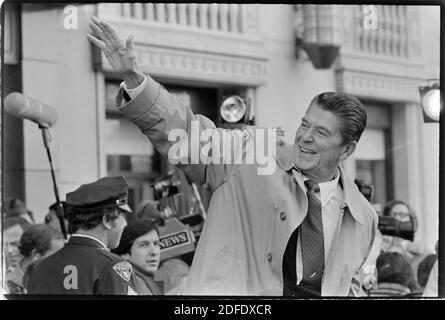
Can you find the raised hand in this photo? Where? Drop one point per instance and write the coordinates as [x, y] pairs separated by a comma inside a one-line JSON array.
[[121, 55]]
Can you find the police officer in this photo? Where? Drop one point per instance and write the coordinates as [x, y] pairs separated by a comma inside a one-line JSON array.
[[85, 265]]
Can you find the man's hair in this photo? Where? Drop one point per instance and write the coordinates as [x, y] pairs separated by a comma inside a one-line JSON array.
[[79, 219], [131, 232], [424, 269], [392, 267], [12, 221], [348, 109], [38, 237]]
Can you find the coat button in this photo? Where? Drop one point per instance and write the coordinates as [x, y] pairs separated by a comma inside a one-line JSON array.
[[269, 257], [283, 215]]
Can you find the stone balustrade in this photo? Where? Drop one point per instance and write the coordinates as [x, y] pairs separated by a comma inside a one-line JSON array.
[[233, 18], [395, 33]]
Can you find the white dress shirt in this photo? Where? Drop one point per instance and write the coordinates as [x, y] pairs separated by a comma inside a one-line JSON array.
[[135, 91]]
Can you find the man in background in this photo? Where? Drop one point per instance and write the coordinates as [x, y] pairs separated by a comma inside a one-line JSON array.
[[140, 246], [37, 242]]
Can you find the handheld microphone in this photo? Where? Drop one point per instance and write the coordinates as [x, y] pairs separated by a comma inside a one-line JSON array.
[[23, 107]]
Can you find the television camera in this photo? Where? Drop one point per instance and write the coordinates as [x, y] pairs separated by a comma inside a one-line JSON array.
[[388, 225], [178, 233]]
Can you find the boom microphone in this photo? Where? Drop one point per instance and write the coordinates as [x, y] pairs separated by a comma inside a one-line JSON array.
[[23, 107]]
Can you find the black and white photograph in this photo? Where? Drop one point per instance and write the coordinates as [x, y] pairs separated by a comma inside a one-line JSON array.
[[177, 150]]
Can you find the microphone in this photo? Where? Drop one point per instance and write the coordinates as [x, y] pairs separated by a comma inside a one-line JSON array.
[[23, 107]]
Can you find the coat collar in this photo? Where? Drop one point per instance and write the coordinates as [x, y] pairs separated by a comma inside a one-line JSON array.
[[352, 197], [142, 272], [156, 287], [84, 240]]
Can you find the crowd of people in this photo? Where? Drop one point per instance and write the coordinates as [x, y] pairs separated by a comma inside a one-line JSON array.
[[401, 270], [26, 244]]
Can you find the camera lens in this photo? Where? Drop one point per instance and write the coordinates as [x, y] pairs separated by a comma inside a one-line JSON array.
[[165, 187]]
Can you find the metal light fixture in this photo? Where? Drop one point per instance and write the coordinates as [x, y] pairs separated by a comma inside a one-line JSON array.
[[318, 33], [430, 101], [235, 113], [233, 109]]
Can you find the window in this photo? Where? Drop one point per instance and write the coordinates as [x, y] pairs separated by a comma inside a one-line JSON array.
[[372, 163]]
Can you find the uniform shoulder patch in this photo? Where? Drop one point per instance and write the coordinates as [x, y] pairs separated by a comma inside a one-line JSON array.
[[123, 269]]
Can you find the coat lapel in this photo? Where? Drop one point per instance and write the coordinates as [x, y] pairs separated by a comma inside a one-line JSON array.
[[351, 196]]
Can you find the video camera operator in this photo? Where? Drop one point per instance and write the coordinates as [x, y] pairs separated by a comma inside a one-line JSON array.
[[396, 229], [403, 236], [397, 224]]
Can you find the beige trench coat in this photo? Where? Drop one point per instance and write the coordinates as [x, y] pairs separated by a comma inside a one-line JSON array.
[[251, 217]]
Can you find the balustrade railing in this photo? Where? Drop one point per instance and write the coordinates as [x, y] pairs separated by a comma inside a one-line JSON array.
[[218, 17], [390, 38]]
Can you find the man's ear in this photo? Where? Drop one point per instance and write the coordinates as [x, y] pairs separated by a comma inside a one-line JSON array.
[[349, 149], [106, 222], [125, 256], [35, 255]]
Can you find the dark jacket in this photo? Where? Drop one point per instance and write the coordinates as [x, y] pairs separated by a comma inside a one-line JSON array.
[[144, 283], [83, 266]]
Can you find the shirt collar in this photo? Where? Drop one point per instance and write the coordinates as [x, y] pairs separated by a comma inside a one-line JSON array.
[[90, 237], [328, 188]]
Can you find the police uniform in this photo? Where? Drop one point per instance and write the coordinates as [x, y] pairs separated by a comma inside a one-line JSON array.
[[85, 265]]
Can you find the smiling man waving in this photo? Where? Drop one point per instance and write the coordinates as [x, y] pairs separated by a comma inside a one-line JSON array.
[[303, 230], [327, 135]]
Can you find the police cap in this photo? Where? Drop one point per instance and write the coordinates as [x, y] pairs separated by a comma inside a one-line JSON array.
[[107, 192]]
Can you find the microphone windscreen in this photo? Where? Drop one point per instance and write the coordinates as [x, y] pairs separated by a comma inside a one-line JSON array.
[[24, 107]]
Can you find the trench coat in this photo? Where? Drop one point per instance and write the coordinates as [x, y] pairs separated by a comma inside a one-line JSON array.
[[250, 216]]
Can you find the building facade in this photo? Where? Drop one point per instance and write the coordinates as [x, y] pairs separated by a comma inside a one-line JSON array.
[[204, 52]]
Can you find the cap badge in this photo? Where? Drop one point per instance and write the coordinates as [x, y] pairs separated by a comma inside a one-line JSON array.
[[121, 201]]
